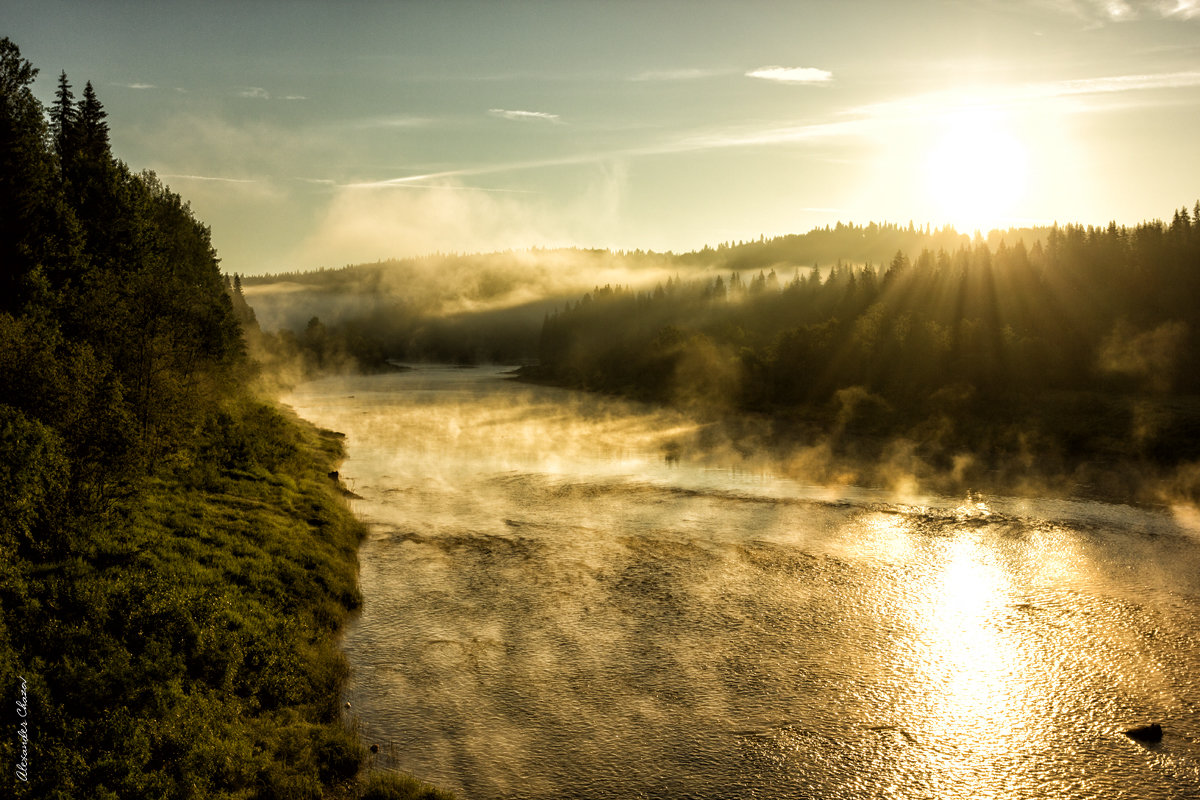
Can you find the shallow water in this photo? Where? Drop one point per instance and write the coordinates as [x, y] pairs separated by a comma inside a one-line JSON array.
[[570, 597]]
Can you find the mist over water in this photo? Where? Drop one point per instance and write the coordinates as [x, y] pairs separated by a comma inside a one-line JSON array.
[[569, 596]]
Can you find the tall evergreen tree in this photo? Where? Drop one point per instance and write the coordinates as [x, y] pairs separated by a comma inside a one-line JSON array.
[[92, 125], [63, 117], [38, 238]]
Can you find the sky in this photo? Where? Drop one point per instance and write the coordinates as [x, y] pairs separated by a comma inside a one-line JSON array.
[[313, 135]]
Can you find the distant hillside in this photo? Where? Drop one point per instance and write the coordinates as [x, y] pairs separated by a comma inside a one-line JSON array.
[[490, 307]]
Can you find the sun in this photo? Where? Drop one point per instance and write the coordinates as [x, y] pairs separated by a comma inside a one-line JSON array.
[[976, 170]]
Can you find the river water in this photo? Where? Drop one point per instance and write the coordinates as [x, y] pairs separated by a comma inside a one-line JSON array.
[[571, 597]]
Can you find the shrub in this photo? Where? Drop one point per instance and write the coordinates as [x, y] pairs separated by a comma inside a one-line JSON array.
[[399, 786]]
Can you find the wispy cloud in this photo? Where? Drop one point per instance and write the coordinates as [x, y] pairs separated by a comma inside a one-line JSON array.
[[792, 74], [758, 136], [442, 182], [1182, 9], [208, 178], [686, 74], [860, 121], [525, 116], [1116, 11], [1021, 94], [137, 85], [1120, 83], [436, 178], [259, 93], [399, 121]]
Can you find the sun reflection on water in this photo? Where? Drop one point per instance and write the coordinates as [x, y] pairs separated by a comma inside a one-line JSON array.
[[967, 693], [972, 670], [556, 609]]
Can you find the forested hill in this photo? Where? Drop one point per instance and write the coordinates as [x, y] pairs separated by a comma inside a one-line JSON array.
[[174, 559], [489, 306], [874, 243], [1081, 346]]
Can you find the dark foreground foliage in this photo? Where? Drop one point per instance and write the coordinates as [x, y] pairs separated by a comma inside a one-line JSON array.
[[390, 786], [174, 559]]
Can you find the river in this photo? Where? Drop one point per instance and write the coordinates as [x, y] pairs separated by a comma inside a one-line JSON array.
[[568, 596]]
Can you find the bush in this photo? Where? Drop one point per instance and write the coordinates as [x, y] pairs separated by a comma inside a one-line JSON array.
[[399, 786], [338, 752]]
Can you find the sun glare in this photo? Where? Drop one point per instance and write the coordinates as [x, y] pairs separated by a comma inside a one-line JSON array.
[[976, 170]]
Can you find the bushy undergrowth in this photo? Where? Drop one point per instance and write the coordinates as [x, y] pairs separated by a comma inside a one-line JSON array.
[[185, 648], [392, 786]]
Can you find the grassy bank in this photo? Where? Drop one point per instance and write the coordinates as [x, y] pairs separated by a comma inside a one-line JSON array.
[[187, 647]]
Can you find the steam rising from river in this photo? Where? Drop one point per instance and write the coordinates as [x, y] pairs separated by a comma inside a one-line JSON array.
[[441, 286], [572, 597]]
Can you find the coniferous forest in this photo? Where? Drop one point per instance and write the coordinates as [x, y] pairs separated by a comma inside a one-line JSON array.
[[1056, 360], [1062, 357], [174, 558]]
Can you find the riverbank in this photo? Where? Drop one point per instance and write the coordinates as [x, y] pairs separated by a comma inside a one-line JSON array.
[[188, 643]]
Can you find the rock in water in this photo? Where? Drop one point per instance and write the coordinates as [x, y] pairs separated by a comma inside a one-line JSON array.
[[1146, 733]]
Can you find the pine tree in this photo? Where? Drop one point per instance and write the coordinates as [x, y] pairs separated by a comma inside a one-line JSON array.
[[93, 129], [63, 118], [38, 240]]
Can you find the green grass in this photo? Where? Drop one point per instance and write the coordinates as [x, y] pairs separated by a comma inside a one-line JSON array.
[[186, 647], [393, 786]]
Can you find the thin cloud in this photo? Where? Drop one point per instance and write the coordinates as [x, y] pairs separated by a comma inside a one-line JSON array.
[[1180, 9], [860, 121], [436, 178], [792, 74], [1118, 11], [137, 85], [925, 105], [782, 134], [1124, 83], [437, 182], [295, 97], [393, 122], [678, 75], [255, 93], [695, 143], [208, 178], [525, 116]]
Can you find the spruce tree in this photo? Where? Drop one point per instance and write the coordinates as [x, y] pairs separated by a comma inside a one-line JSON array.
[[63, 118], [93, 128], [38, 240]]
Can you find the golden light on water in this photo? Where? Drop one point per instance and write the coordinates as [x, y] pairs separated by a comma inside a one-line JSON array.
[[977, 701], [551, 591]]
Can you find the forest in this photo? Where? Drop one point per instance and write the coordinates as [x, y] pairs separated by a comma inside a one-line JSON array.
[[174, 558], [489, 307], [1056, 358], [1062, 357]]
